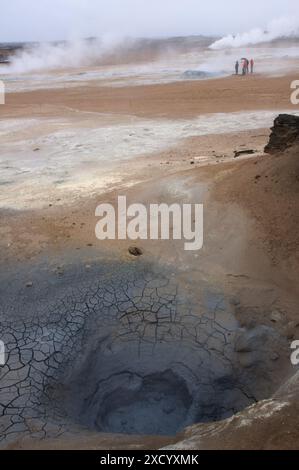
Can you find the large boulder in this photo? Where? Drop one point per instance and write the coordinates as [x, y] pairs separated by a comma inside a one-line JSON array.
[[285, 133]]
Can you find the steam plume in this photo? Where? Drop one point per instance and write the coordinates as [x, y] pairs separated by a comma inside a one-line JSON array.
[[49, 56], [282, 27]]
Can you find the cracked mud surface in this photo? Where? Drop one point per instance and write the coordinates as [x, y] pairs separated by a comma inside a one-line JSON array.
[[132, 353]]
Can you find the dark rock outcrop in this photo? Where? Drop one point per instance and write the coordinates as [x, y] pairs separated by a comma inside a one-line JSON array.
[[285, 133]]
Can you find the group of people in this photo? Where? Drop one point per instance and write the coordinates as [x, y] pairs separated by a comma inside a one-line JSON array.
[[246, 66]]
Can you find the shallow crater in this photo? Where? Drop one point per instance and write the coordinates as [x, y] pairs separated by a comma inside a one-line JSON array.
[[135, 354]]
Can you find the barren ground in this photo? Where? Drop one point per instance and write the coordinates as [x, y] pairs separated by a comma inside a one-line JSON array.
[[250, 257]]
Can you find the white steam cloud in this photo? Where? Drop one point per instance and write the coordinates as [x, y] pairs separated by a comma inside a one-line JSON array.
[[282, 27], [49, 56]]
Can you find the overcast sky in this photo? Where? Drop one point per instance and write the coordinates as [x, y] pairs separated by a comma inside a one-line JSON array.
[[25, 20]]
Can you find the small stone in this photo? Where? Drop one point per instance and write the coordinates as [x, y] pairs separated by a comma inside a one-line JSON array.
[[135, 251], [29, 284], [238, 153]]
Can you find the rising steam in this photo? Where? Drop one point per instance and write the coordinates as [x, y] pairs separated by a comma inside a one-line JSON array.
[[282, 27], [46, 56]]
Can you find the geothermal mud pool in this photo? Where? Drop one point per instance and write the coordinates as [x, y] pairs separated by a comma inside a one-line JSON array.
[[134, 353]]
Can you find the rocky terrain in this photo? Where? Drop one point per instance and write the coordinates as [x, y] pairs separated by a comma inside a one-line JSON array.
[[285, 134]]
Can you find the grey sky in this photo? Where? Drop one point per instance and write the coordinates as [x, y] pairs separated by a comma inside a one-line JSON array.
[[67, 19]]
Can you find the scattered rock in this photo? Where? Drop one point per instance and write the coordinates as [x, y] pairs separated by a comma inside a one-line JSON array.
[[135, 251], [29, 284], [36, 149], [285, 133], [238, 153]]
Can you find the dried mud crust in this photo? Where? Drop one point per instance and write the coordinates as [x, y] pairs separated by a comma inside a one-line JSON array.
[[134, 340]]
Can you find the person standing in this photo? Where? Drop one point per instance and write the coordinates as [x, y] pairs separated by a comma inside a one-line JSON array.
[[237, 67], [251, 65]]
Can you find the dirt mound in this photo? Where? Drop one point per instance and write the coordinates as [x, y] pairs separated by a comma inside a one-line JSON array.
[[268, 189]]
